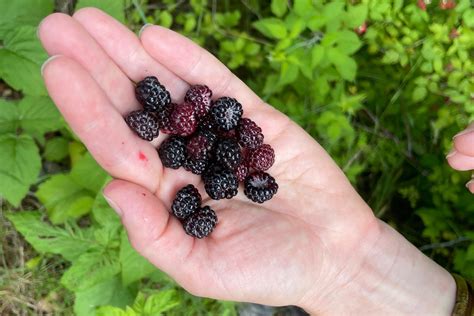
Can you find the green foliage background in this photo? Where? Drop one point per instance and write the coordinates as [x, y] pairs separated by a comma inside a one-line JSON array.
[[384, 102]]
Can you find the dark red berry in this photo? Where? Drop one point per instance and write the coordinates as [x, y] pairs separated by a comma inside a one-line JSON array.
[[262, 158], [183, 121], [201, 223], [250, 134], [260, 187], [200, 97], [163, 117], [151, 94], [226, 112], [242, 171], [199, 147], [144, 124]]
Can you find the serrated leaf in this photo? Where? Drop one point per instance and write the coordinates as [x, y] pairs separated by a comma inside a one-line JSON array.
[[91, 268], [21, 58], [134, 266], [64, 198], [22, 12], [345, 65], [8, 117], [109, 292], [356, 15], [115, 8], [95, 174], [279, 7], [69, 243], [56, 149], [288, 73], [20, 164], [271, 27], [161, 302], [38, 115]]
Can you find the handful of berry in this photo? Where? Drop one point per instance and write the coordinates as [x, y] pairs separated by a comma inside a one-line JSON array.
[[208, 138]]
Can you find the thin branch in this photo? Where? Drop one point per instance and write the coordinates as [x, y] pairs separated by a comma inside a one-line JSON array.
[[140, 11], [445, 244]]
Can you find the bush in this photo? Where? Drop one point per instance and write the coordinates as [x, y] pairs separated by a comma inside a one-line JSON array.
[[382, 85]]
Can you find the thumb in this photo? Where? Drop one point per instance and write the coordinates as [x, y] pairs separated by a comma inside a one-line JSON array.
[[151, 230]]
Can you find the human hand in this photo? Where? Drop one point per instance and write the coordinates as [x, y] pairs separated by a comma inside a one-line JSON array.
[[312, 245], [461, 157]]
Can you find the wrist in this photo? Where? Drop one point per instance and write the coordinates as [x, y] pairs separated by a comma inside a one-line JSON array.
[[393, 278]]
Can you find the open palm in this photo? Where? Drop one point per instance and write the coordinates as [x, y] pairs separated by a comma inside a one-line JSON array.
[[302, 245]]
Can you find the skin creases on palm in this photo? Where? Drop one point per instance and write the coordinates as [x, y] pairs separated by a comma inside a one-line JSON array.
[[272, 253]]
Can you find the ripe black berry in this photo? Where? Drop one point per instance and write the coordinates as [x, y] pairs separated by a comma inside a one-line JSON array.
[[187, 201], [201, 223], [220, 183], [226, 113], [200, 97], [261, 158], [196, 166], [183, 121], [228, 153], [250, 134], [260, 187], [151, 94], [144, 124], [172, 152]]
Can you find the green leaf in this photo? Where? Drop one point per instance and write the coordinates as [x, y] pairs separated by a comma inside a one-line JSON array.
[[102, 212], [109, 292], [113, 311], [91, 268], [95, 174], [115, 8], [70, 242], [39, 115], [419, 93], [271, 27], [279, 7], [134, 266], [20, 60], [288, 73], [22, 12], [161, 302], [56, 149], [165, 18], [317, 55], [356, 15], [8, 117], [345, 65], [64, 198], [20, 164], [348, 42], [303, 7]]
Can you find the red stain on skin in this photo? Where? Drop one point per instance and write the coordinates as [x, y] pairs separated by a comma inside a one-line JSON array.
[[142, 157]]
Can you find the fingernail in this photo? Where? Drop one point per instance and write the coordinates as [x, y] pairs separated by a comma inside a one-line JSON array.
[[143, 28], [113, 205], [47, 61], [464, 132], [468, 184], [451, 153]]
